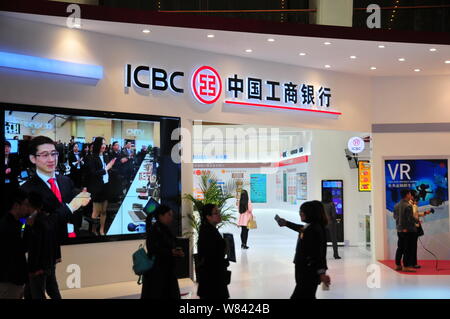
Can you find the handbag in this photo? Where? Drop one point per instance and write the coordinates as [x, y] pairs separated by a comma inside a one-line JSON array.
[[420, 230], [252, 224], [141, 262]]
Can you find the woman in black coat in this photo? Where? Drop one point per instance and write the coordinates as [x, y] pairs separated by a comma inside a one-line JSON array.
[[310, 256], [98, 181], [161, 282], [213, 277]]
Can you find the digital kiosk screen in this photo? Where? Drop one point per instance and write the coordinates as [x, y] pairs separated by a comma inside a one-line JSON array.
[[337, 193]]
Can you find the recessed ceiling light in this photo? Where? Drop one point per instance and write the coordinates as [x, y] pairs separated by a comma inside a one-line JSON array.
[[270, 40], [146, 31], [381, 46], [416, 70], [302, 53], [353, 57], [433, 50], [210, 35], [327, 43], [328, 66], [249, 50], [447, 62], [401, 59], [373, 68]]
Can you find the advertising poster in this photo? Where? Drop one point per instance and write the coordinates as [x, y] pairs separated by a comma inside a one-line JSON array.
[[258, 188], [364, 176], [279, 187], [292, 187], [429, 178], [302, 186]]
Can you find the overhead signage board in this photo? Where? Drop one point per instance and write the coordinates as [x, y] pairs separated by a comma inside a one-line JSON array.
[[207, 85]]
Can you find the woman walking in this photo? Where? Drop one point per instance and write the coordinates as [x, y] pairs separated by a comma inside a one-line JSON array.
[[245, 215], [213, 276], [161, 282], [310, 256]]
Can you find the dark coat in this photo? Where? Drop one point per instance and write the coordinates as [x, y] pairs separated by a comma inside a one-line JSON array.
[[160, 282], [212, 265], [310, 257], [71, 158], [14, 165], [311, 250], [75, 172], [13, 265], [42, 243], [115, 177], [127, 167], [60, 214], [11, 181], [95, 174]]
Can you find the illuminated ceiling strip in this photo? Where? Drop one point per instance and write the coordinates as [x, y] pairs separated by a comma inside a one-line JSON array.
[[282, 107], [37, 64]]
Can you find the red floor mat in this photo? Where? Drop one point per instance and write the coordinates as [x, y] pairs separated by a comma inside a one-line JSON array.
[[428, 267]]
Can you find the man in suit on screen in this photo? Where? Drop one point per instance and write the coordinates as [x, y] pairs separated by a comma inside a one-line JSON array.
[[59, 200]]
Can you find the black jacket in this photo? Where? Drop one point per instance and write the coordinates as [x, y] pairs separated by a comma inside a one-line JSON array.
[[71, 158], [95, 173], [42, 242], [404, 217], [58, 212], [212, 265], [161, 281], [127, 167], [14, 165], [330, 211], [311, 250], [13, 265]]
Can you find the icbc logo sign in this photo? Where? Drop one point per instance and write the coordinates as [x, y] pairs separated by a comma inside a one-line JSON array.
[[206, 85], [356, 145]]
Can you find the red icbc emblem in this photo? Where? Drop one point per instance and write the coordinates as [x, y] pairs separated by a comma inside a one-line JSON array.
[[206, 85]]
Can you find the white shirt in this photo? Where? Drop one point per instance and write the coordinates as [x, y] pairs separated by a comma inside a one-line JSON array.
[[45, 179], [106, 176], [77, 156]]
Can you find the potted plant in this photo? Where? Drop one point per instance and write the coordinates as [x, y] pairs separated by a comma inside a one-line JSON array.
[[211, 193]]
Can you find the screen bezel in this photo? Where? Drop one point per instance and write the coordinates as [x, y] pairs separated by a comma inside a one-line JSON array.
[[4, 106]]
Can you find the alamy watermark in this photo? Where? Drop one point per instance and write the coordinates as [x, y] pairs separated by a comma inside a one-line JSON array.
[[74, 20], [374, 279], [207, 144], [73, 281], [374, 19]]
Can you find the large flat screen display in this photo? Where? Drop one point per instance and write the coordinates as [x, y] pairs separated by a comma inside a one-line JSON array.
[[143, 175]]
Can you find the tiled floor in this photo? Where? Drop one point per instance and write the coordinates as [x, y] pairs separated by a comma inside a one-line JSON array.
[[266, 271]]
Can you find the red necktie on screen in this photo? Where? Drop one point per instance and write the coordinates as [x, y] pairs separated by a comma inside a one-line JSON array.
[[55, 189]]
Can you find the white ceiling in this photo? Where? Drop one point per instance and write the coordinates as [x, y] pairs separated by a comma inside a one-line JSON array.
[[285, 49]]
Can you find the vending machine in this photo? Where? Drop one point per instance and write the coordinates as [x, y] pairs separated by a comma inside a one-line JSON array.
[[336, 188]]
